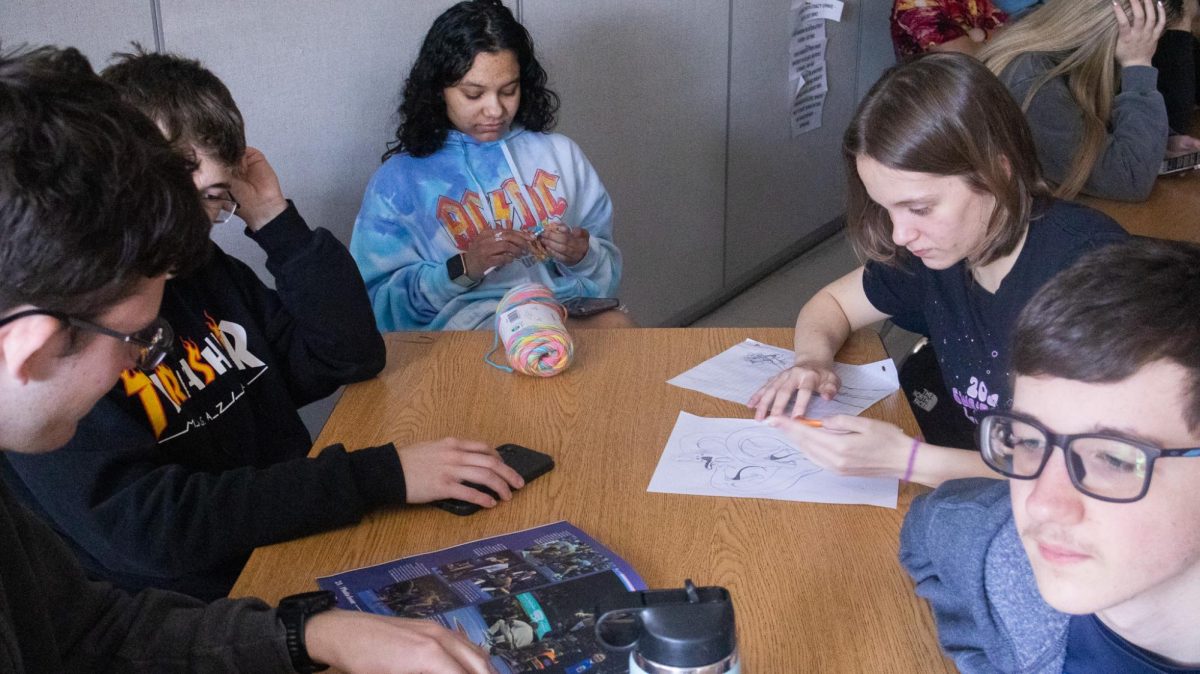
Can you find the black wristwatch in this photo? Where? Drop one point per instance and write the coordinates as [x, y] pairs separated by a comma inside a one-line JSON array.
[[456, 269], [294, 612]]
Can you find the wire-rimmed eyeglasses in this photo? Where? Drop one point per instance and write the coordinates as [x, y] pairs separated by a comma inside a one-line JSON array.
[[153, 343], [220, 208]]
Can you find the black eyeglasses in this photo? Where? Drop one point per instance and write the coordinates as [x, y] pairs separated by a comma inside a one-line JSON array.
[[153, 342], [1104, 466], [220, 209]]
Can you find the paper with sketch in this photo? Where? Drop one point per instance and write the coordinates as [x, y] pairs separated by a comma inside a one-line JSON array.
[[748, 459], [738, 372]]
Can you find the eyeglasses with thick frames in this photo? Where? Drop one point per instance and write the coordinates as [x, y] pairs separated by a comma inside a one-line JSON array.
[[220, 208], [153, 342], [1103, 466]]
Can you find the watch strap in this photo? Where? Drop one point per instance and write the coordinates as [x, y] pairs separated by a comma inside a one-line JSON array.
[[294, 612]]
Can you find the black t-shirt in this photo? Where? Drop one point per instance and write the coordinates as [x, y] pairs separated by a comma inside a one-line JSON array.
[[1092, 647], [969, 327]]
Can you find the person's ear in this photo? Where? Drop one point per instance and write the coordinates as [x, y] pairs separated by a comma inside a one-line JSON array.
[[22, 341]]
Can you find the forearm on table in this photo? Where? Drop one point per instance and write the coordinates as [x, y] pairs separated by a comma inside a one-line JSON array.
[[243, 508], [933, 465]]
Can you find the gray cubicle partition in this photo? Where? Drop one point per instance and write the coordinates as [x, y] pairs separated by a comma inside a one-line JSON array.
[[645, 99], [681, 105]]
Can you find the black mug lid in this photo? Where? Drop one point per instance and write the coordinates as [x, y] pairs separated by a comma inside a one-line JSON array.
[[691, 627]]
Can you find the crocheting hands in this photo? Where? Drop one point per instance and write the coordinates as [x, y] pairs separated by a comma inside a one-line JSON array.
[[493, 249], [568, 245]]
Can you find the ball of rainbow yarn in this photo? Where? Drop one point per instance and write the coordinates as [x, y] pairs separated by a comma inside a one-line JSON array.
[[529, 323]]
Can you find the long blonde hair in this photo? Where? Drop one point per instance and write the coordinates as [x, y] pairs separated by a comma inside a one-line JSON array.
[[1080, 37]]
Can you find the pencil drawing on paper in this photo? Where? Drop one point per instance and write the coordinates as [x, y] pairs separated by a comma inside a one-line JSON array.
[[747, 462], [745, 458], [777, 360]]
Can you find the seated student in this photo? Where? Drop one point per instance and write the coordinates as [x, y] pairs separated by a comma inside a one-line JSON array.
[[948, 206], [178, 474], [1088, 559], [88, 245], [1175, 60], [1098, 130], [921, 26], [473, 174]]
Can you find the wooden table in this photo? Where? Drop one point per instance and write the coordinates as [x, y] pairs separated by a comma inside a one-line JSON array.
[[1171, 212], [817, 588]]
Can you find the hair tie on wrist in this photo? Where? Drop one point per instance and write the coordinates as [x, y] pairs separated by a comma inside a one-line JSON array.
[[912, 459]]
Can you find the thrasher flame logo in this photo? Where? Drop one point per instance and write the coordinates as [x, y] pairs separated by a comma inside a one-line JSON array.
[[196, 361], [164, 393], [213, 326]]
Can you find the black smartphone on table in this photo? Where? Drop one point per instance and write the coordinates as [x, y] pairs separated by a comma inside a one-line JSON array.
[[528, 463], [582, 307]]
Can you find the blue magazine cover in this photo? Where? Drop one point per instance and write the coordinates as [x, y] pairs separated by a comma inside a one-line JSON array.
[[528, 598]]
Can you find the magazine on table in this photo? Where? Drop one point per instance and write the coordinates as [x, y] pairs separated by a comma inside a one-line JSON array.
[[528, 598]]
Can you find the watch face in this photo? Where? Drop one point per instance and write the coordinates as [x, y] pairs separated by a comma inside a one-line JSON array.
[[457, 271]]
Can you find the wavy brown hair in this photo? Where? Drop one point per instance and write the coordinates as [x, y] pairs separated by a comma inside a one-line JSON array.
[[946, 115]]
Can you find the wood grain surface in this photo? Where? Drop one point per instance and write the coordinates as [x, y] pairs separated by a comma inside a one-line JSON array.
[[1171, 212], [816, 587]]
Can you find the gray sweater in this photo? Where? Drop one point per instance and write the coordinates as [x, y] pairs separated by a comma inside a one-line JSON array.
[[53, 619], [960, 546], [1137, 134]]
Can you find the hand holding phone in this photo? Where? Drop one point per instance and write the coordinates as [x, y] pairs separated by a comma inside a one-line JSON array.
[[437, 469], [527, 463]]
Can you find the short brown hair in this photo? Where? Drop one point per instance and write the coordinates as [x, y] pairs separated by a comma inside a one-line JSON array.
[[189, 102], [92, 198], [948, 115], [1113, 312]]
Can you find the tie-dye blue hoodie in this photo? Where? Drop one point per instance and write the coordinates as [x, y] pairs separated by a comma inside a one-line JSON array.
[[419, 211]]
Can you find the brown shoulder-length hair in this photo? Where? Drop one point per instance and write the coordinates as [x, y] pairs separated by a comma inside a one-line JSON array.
[[947, 115]]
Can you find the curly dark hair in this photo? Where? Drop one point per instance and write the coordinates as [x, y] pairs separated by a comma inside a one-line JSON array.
[[92, 197], [449, 50]]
